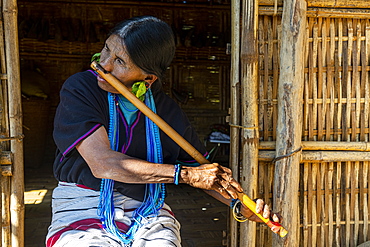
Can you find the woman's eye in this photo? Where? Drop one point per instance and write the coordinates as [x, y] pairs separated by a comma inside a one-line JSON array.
[[119, 61]]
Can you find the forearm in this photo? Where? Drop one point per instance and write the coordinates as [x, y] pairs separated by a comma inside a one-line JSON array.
[[123, 168], [106, 163]]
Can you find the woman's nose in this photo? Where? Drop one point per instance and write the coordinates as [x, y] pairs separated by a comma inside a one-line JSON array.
[[107, 64]]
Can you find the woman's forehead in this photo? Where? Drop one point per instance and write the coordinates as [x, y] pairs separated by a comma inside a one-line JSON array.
[[117, 46]]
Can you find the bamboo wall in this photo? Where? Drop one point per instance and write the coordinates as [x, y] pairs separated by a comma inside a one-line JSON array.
[[336, 99]]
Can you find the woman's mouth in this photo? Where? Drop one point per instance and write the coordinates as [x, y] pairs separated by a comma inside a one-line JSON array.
[[101, 80]]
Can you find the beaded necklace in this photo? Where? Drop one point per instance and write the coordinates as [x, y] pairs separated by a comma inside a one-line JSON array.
[[154, 193]]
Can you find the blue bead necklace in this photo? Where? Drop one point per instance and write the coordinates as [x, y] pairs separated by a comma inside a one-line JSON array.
[[154, 193]]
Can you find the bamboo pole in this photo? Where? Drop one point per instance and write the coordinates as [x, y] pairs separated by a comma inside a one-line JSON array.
[[15, 121], [6, 230], [235, 107], [4, 181], [320, 156], [289, 128], [249, 136], [321, 12], [325, 3], [323, 145]]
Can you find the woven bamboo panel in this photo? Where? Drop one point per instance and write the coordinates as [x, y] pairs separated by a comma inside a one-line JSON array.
[[333, 203], [336, 92], [333, 196]]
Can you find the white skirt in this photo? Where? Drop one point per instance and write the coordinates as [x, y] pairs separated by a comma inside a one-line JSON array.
[[75, 221]]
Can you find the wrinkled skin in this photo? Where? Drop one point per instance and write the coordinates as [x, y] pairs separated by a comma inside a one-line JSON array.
[[212, 177]]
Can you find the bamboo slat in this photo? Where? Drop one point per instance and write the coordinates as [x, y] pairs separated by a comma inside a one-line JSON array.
[[6, 228], [347, 205], [306, 215], [276, 32], [338, 205], [356, 79], [347, 74], [234, 156], [356, 211], [320, 201], [365, 200], [330, 208], [330, 78], [313, 210]]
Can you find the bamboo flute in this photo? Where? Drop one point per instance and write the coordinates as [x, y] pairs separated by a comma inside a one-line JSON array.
[[185, 145]]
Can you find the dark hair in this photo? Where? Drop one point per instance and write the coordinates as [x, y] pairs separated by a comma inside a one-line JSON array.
[[149, 42]]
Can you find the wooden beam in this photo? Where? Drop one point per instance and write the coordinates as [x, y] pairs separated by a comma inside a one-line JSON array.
[[325, 3], [10, 12], [321, 12], [321, 156], [289, 126], [249, 109], [323, 145]]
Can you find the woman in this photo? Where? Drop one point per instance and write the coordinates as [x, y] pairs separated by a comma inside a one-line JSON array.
[[112, 162]]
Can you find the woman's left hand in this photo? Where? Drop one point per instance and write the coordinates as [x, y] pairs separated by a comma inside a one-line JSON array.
[[263, 209]]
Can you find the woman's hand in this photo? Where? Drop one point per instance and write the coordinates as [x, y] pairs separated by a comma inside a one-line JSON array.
[[212, 177], [263, 209]]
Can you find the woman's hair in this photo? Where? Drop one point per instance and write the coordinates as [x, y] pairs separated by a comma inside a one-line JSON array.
[[149, 42]]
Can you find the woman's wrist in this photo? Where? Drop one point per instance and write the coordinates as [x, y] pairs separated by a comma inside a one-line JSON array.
[[183, 176]]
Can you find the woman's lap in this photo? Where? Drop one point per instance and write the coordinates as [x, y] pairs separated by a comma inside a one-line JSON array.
[[75, 221]]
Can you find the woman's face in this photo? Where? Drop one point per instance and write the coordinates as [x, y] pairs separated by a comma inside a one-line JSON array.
[[115, 60]]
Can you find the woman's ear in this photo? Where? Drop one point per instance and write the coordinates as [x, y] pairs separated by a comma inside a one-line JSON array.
[[150, 79]]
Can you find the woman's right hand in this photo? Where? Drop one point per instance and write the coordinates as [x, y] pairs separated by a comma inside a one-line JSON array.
[[211, 177]]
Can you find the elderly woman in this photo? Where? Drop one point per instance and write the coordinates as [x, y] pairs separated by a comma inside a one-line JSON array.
[[112, 162]]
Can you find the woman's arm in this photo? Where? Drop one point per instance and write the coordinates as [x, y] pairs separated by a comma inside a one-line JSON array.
[[106, 163], [109, 164]]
